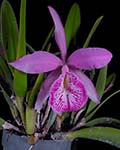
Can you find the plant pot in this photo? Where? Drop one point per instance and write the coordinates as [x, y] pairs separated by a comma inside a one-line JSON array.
[[16, 142]]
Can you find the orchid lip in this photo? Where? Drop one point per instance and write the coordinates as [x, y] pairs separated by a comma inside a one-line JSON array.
[[67, 93]]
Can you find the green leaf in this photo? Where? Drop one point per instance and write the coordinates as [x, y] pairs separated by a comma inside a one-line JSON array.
[[72, 23], [12, 107], [100, 87], [101, 81], [9, 31], [5, 73], [31, 116], [2, 121], [50, 34], [104, 121], [97, 22], [20, 78], [6, 96], [35, 90], [110, 79], [51, 120], [104, 134]]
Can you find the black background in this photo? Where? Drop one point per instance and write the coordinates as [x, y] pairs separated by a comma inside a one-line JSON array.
[[39, 23]]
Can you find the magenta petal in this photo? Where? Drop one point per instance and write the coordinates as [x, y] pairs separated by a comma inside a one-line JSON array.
[[36, 63], [91, 91], [44, 90], [67, 94], [89, 58], [59, 32]]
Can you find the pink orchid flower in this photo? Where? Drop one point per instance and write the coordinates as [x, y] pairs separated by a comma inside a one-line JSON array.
[[68, 89]]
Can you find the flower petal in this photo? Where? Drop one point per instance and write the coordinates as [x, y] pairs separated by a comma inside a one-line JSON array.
[[91, 91], [44, 90], [59, 32], [67, 93], [36, 63], [89, 58]]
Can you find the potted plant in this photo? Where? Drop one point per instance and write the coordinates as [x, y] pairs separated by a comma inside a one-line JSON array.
[[50, 97]]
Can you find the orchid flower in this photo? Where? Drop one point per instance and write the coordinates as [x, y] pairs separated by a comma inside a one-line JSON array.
[[66, 86]]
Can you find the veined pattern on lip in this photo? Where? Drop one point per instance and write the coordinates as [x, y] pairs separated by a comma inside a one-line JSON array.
[[67, 93]]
